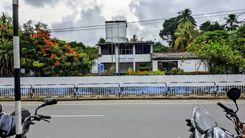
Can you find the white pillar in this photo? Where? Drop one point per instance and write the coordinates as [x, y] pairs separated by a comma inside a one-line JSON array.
[[151, 49], [134, 64], [99, 50], [117, 58], [154, 65]]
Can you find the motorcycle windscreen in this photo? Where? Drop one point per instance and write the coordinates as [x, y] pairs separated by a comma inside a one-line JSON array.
[[203, 121], [218, 132]]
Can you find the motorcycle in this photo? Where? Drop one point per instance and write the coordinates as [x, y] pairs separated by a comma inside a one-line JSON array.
[[7, 122], [202, 125]]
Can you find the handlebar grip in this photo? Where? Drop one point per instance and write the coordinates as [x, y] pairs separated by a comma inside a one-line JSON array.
[[45, 117], [224, 107]]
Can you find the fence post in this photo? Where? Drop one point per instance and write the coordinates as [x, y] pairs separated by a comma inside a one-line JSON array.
[[167, 92], [216, 89], [31, 93], [119, 90], [74, 91]]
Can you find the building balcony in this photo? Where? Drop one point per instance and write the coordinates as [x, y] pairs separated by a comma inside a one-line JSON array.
[[125, 58]]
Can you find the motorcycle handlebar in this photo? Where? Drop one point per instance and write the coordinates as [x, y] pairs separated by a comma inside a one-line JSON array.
[[224, 107], [45, 117]]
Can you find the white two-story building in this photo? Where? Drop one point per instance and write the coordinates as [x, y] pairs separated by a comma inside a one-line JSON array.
[[134, 55], [122, 55], [117, 52]]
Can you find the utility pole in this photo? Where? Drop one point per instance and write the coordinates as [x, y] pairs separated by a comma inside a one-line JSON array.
[[119, 71], [16, 47]]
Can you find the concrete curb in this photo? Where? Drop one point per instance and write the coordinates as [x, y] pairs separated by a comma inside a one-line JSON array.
[[126, 97]]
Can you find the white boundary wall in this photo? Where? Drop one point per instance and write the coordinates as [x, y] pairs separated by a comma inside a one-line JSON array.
[[126, 79]]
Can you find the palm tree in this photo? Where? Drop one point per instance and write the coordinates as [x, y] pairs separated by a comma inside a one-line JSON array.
[[185, 31], [134, 38], [185, 34], [185, 16], [231, 22]]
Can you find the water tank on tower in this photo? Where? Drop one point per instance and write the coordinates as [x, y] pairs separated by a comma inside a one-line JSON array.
[[116, 31]]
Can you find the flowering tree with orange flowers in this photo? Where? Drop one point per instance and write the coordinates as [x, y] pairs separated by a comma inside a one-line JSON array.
[[54, 57], [42, 54]]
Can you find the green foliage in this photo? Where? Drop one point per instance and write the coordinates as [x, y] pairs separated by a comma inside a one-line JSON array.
[[134, 38], [158, 72], [6, 46], [231, 22], [211, 26], [101, 41], [143, 73], [41, 54], [216, 50], [112, 70], [185, 31], [185, 34], [185, 16], [237, 40], [159, 48], [176, 71], [170, 26]]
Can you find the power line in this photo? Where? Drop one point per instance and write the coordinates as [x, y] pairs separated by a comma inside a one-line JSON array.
[[92, 27], [102, 26]]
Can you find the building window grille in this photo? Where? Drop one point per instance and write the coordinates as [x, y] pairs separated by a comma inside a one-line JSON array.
[[125, 50], [107, 50], [143, 49]]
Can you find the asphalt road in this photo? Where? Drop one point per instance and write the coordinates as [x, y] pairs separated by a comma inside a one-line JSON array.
[[122, 119]]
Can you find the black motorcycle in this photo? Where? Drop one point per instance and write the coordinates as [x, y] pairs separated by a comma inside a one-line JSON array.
[[202, 125], [7, 122]]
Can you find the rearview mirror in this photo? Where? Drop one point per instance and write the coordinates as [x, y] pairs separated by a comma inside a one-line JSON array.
[[234, 94], [49, 101]]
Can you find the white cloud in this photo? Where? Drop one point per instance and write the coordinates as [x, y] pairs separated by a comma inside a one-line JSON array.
[[47, 14], [70, 13], [111, 8]]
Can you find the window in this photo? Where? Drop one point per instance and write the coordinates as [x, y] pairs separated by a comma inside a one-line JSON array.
[[107, 50], [143, 49], [124, 50], [167, 65]]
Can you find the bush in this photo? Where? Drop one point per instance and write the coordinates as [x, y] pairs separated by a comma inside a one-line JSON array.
[[158, 72], [141, 73], [175, 72]]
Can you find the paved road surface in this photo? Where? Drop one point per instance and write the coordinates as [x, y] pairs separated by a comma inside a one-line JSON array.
[[122, 119]]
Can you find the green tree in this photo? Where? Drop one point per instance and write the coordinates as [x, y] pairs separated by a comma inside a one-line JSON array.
[[185, 31], [215, 50], [232, 22], [101, 41], [185, 16], [28, 48], [185, 34], [160, 48], [168, 29], [42, 54], [211, 26], [134, 38], [170, 26], [6, 46], [237, 40]]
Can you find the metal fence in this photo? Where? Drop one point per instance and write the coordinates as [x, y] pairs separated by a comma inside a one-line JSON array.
[[122, 89]]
